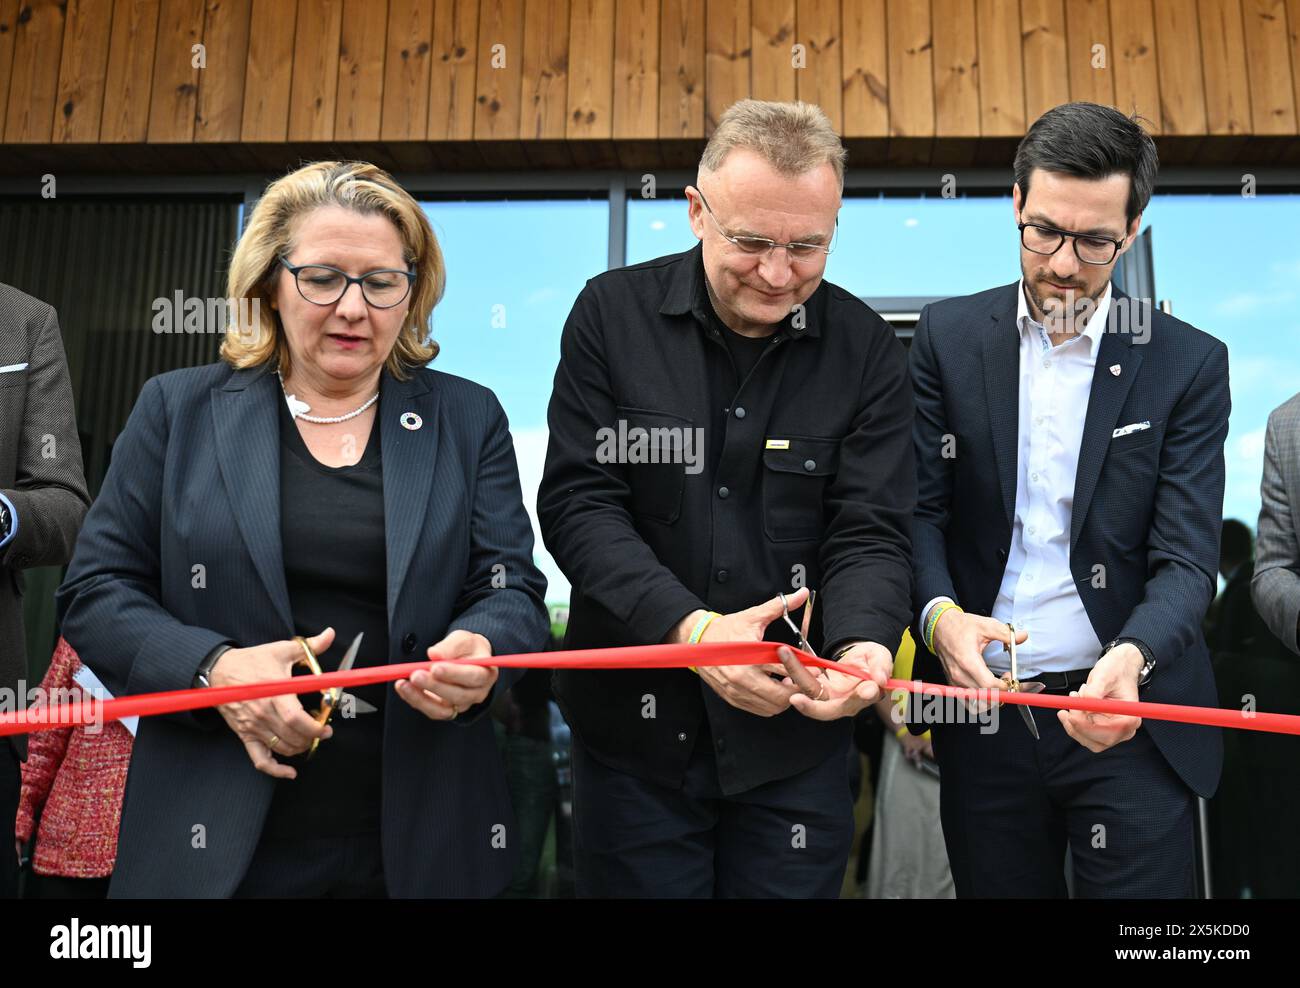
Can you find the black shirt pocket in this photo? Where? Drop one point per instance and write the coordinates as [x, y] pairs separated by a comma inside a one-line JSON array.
[[794, 486], [656, 449]]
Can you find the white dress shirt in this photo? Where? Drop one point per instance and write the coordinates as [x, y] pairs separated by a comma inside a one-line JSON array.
[[1038, 592]]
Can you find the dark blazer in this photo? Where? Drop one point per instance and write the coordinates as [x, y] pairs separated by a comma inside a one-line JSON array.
[[195, 479], [1147, 506], [40, 465]]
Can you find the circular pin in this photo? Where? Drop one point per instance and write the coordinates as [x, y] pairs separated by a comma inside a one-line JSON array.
[[411, 421]]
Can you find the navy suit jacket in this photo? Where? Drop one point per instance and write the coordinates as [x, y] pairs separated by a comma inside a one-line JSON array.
[[1148, 506], [195, 479]]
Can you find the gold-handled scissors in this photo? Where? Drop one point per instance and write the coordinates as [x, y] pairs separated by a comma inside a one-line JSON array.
[[1013, 684], [330, 698]]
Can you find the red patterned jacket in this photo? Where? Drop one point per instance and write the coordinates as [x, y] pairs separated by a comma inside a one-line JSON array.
[[78, 777]]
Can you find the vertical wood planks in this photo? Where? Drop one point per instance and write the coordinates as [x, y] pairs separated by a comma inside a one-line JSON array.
[[1182, 83], [636, 69], [221, 84], [127, 82], [822, 80], [174, 99], [772, 40], [1133, 47], [956, 69], [452, 72], [405, 113], [34, 76], [590, 107], [911, 73], [1089, 52], [865, 69], [1047, 77], [270, 70], [726, 58], [313, 96], [681, 73], [1268, 63], [497, 80], [1223, 54], [79, 105], [1001, 73]]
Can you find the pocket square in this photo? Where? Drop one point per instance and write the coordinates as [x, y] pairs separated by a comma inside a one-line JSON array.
[[12, 367], [1124, 430]]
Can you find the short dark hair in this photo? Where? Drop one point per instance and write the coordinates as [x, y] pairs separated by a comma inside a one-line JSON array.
[[1090, 141]]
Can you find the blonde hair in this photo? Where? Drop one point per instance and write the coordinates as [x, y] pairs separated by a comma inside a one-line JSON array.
[[354, 185], [793, 138]]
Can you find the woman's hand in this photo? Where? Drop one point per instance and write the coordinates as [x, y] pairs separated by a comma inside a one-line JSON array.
[[447, 689], [273, 725]]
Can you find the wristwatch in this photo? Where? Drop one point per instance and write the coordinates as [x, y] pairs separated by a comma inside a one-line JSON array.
[[1148, 659], [5, 522], [203, 678]]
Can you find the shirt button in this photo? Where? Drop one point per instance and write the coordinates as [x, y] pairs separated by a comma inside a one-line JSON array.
[[810, 465], [1031, 529], [1047, 363], [723, 492], [1034, 475], [740, 413], [681, 736], [722, 744], [722, 576], [408, 643]]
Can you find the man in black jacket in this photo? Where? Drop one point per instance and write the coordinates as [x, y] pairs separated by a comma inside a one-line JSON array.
[[1069, 444], [725, 426]]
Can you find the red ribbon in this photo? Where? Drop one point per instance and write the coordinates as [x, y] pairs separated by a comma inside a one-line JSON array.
[[43, 718]]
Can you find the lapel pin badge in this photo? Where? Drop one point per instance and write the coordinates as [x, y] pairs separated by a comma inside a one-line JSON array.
[[411, 421], [1114, 369]]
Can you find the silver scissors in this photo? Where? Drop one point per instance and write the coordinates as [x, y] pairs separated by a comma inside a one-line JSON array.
[[1015, 685], [798, 673], [801, 633]]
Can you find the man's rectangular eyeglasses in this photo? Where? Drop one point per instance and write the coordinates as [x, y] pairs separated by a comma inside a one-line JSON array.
[[321, 284], [1048, 240], [762, 245]]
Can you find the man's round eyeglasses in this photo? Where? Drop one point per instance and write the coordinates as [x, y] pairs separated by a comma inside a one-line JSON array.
[[321, 284], [1048, 240], [762, 245]]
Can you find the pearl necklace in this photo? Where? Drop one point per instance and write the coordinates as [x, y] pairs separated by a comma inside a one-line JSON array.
[[299, 409]]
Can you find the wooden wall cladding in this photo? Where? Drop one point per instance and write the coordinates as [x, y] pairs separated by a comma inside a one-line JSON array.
[[551, 82]]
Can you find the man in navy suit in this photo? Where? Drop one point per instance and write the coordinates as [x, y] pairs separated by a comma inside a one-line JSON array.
[[1069, 445]]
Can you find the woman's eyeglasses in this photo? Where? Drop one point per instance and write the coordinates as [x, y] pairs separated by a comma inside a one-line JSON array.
[[321, 284]]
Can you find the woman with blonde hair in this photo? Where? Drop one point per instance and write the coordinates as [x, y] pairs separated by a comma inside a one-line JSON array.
[[317, 486]]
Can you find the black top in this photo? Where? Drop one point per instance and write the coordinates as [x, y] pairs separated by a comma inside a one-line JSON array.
[[335, 565], [807, 477], [745, 350]]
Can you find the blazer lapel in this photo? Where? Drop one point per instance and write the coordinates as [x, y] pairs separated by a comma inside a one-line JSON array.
[[409, 452], [1002, 390], [1109, 390], [246, 424]]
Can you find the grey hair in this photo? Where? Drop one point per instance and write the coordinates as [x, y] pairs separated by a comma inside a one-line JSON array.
[[793, 138]]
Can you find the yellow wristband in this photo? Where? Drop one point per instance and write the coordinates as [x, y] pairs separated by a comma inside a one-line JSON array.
[[900, 732], [927, 633], [700, 627]]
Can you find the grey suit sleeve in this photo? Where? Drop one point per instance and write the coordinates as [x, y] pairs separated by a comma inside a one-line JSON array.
[[49, 493], [1276, 585]]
